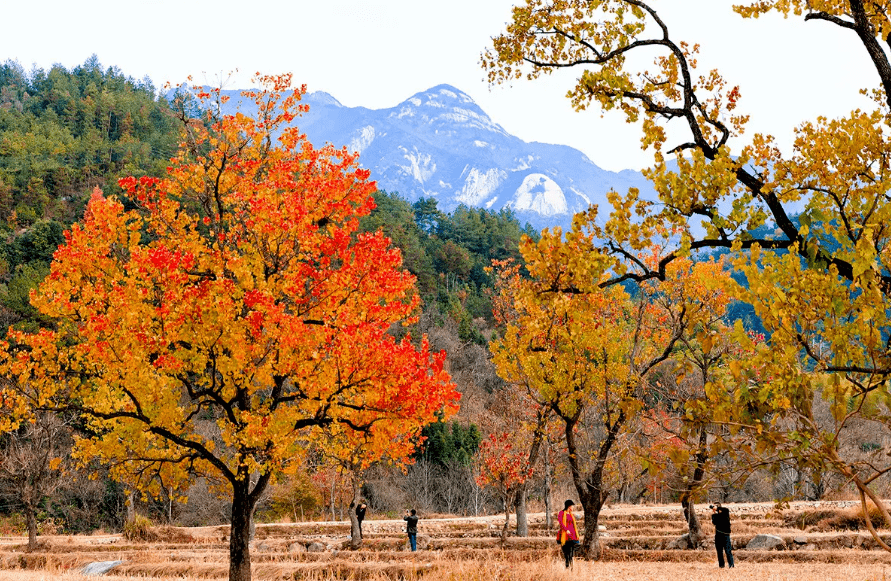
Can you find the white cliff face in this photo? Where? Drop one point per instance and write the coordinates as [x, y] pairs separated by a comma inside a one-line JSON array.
[[581, 195], [420, 165], [540, 194], [524, 163], [471, 120], [362, 140], [479, 185]]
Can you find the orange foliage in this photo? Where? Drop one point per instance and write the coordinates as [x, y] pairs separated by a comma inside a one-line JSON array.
[[236, 318]]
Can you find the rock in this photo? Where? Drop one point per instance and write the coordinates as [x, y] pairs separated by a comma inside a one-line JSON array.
[[799, 540], [810, 547], [99, 568], [765, 542], [680, 543], [601, 527], [423, 542], [297, 548], [263, 547], [316, 547]]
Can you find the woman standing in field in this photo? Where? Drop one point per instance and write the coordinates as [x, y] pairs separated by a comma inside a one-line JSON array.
[[568, 536]]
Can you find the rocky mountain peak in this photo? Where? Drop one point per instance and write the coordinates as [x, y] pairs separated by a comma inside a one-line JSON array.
[[440, 144]]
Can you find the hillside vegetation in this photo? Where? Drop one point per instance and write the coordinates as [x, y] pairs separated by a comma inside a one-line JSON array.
[[65, 132]]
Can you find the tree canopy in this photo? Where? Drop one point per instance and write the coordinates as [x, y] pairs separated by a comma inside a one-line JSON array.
[[820, 282], [234, 318]]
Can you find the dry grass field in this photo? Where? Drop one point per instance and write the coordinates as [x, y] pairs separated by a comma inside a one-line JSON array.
[[552, 570], [820, 542]]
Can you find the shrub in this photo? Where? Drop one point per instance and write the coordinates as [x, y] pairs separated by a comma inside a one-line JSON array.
[[834, 520], [294, 498], [139, 529], [12, 525], [808, 518], [852, 519]]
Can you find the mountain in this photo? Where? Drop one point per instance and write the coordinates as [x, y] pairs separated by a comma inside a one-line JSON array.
[[440, 144]]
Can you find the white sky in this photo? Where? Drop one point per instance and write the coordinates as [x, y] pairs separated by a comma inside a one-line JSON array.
[[377, 53]]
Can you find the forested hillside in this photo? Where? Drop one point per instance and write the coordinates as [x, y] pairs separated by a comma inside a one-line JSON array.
[[64, 132], [448, 253]]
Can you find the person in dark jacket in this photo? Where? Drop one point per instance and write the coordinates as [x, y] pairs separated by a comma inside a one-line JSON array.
[[360, 514], [411, 527], [721, 520]]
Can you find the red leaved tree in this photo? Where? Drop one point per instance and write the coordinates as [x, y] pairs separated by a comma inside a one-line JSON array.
[[234, 318], [504, 468]]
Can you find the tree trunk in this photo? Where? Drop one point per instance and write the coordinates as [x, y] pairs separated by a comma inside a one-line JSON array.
[[688, 501], [590, 545], [31, 518], [240, 533], [590, 486], [865, 492], [131, 505], [507, 503], [538, 439], [355, 535], [520, 510], [333, 485], [693, 525], [547, 489]]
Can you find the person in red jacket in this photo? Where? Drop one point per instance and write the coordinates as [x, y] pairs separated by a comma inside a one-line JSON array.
[[568, 536]]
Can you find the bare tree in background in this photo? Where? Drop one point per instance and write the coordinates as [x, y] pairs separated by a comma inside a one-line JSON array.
[[32, 461]]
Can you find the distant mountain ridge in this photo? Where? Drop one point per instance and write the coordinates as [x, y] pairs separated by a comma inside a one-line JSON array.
[[440, 144]]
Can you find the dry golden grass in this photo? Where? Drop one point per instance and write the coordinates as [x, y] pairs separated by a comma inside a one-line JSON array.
[[464, 549], [850, 519], [548, 570]]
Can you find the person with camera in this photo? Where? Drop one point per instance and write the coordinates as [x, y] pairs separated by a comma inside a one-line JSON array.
[[361, 509], [411, 527], [721, 520]]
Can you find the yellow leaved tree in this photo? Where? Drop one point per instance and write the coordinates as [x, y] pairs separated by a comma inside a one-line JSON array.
[[688, 393], [809, 229], [583, 349]]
